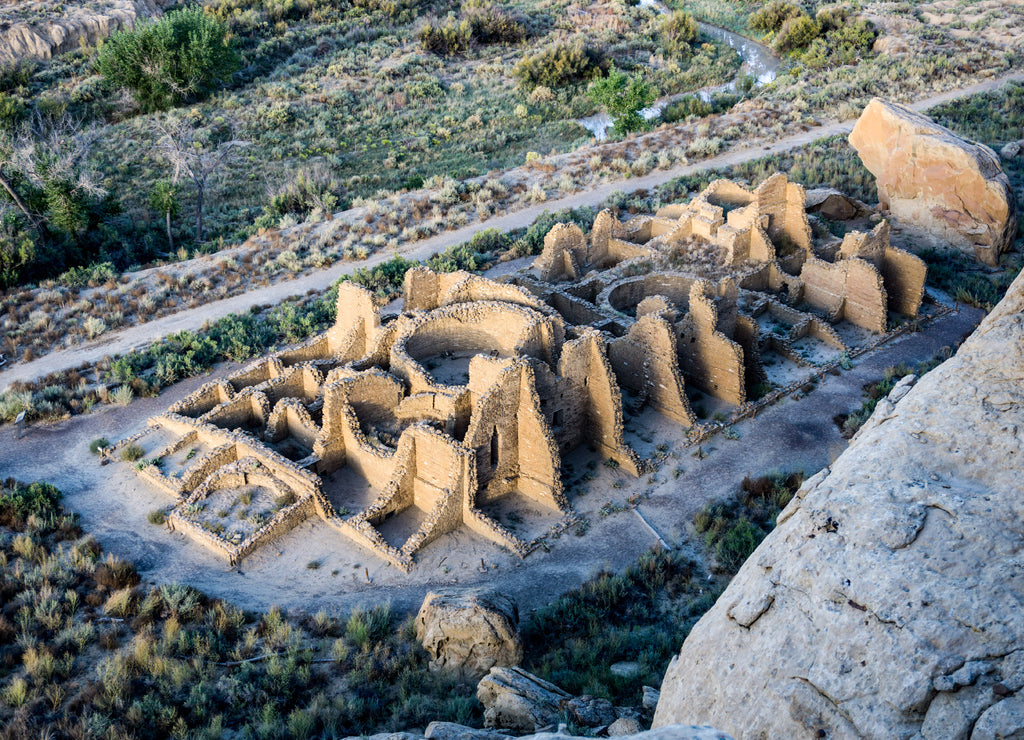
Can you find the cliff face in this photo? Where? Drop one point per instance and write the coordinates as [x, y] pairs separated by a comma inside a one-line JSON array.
[[888, 601], [77, 27]]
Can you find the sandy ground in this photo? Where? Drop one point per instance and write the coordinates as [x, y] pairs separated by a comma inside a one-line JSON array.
[[141, 335], [113, 503]]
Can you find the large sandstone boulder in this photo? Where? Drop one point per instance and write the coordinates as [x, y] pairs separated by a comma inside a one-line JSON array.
[[469, 630], [888, 601], [930, 178]]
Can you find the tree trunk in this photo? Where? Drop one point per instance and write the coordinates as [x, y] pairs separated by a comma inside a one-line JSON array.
[[199, 213], [19, 202], [170, 239]]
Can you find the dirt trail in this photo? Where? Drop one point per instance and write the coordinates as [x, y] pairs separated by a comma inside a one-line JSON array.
[[121, 342]]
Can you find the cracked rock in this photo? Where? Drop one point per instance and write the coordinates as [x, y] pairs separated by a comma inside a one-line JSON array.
[[907, 621]]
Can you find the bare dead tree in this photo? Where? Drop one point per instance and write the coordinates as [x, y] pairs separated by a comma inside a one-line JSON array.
[[193, 152], [48, 150]]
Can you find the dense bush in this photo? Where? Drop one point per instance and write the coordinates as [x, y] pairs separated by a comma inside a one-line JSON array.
[[19, 501], [557, 66], [678, 31], [641, 614], [693, 106], [772, 16], [796, 33], [733, 528], [313, 188], [182, 56]]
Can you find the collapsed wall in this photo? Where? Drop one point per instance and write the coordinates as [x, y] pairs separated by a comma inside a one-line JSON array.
[[887, 601]]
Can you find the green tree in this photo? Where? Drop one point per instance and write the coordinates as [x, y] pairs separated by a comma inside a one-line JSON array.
[[623, 97], [181, 57], [164, 200]]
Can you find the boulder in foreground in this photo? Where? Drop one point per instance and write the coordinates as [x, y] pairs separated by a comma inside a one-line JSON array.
[[887, 601], [469, 630]]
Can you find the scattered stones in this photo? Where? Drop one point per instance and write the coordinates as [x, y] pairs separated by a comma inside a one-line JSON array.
[[469, 631], [904, 619], [590, 711], [1012, 149], [651, 697], [625, 669], [516, 700], [930, 178], [624, 726]]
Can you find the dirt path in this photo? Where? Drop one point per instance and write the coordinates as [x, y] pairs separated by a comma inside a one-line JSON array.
[[121, 342], [792, 434]]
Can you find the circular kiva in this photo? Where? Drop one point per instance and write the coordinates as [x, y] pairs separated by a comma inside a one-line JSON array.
[[432, 351], [624, 295]]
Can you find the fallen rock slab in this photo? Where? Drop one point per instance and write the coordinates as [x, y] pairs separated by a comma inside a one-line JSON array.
[[930, 178], [887, 601], [834, 205], [469, 631], [516, 700]]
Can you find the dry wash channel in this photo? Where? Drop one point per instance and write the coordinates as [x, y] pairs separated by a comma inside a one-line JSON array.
[[397, 429]]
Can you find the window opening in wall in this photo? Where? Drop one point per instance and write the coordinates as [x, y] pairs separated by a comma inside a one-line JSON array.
[[494, 449], [557, 418]]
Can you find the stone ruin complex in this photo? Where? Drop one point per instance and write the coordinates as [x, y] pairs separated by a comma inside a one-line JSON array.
[[463, 405]]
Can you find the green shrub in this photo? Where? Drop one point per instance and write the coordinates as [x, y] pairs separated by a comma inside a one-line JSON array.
[[772, 16], [183, 56], [678, 31], [796, 33], [132, 452], [157, 516], [693, 106], [557, 66], [97, 444], [19, 501], [734, 527], [446, 39]]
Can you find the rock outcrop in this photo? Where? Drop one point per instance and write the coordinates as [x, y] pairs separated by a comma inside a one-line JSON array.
[[887, 602], [930, 178], [469, 631], [78, 26]]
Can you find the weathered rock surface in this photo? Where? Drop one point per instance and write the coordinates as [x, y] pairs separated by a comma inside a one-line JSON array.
[[887, 602], [1011, 149], [932, 179], [450, 731], [624, 726], [590, 711], [516, 700], [834, 205], [469, 630], [79, 26]]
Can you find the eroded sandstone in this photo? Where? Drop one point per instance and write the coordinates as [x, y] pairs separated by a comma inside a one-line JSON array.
[[930, 178], [887, 602]]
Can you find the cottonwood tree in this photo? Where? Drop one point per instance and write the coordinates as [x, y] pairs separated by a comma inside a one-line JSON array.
[[623, 97], [197, 153]]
